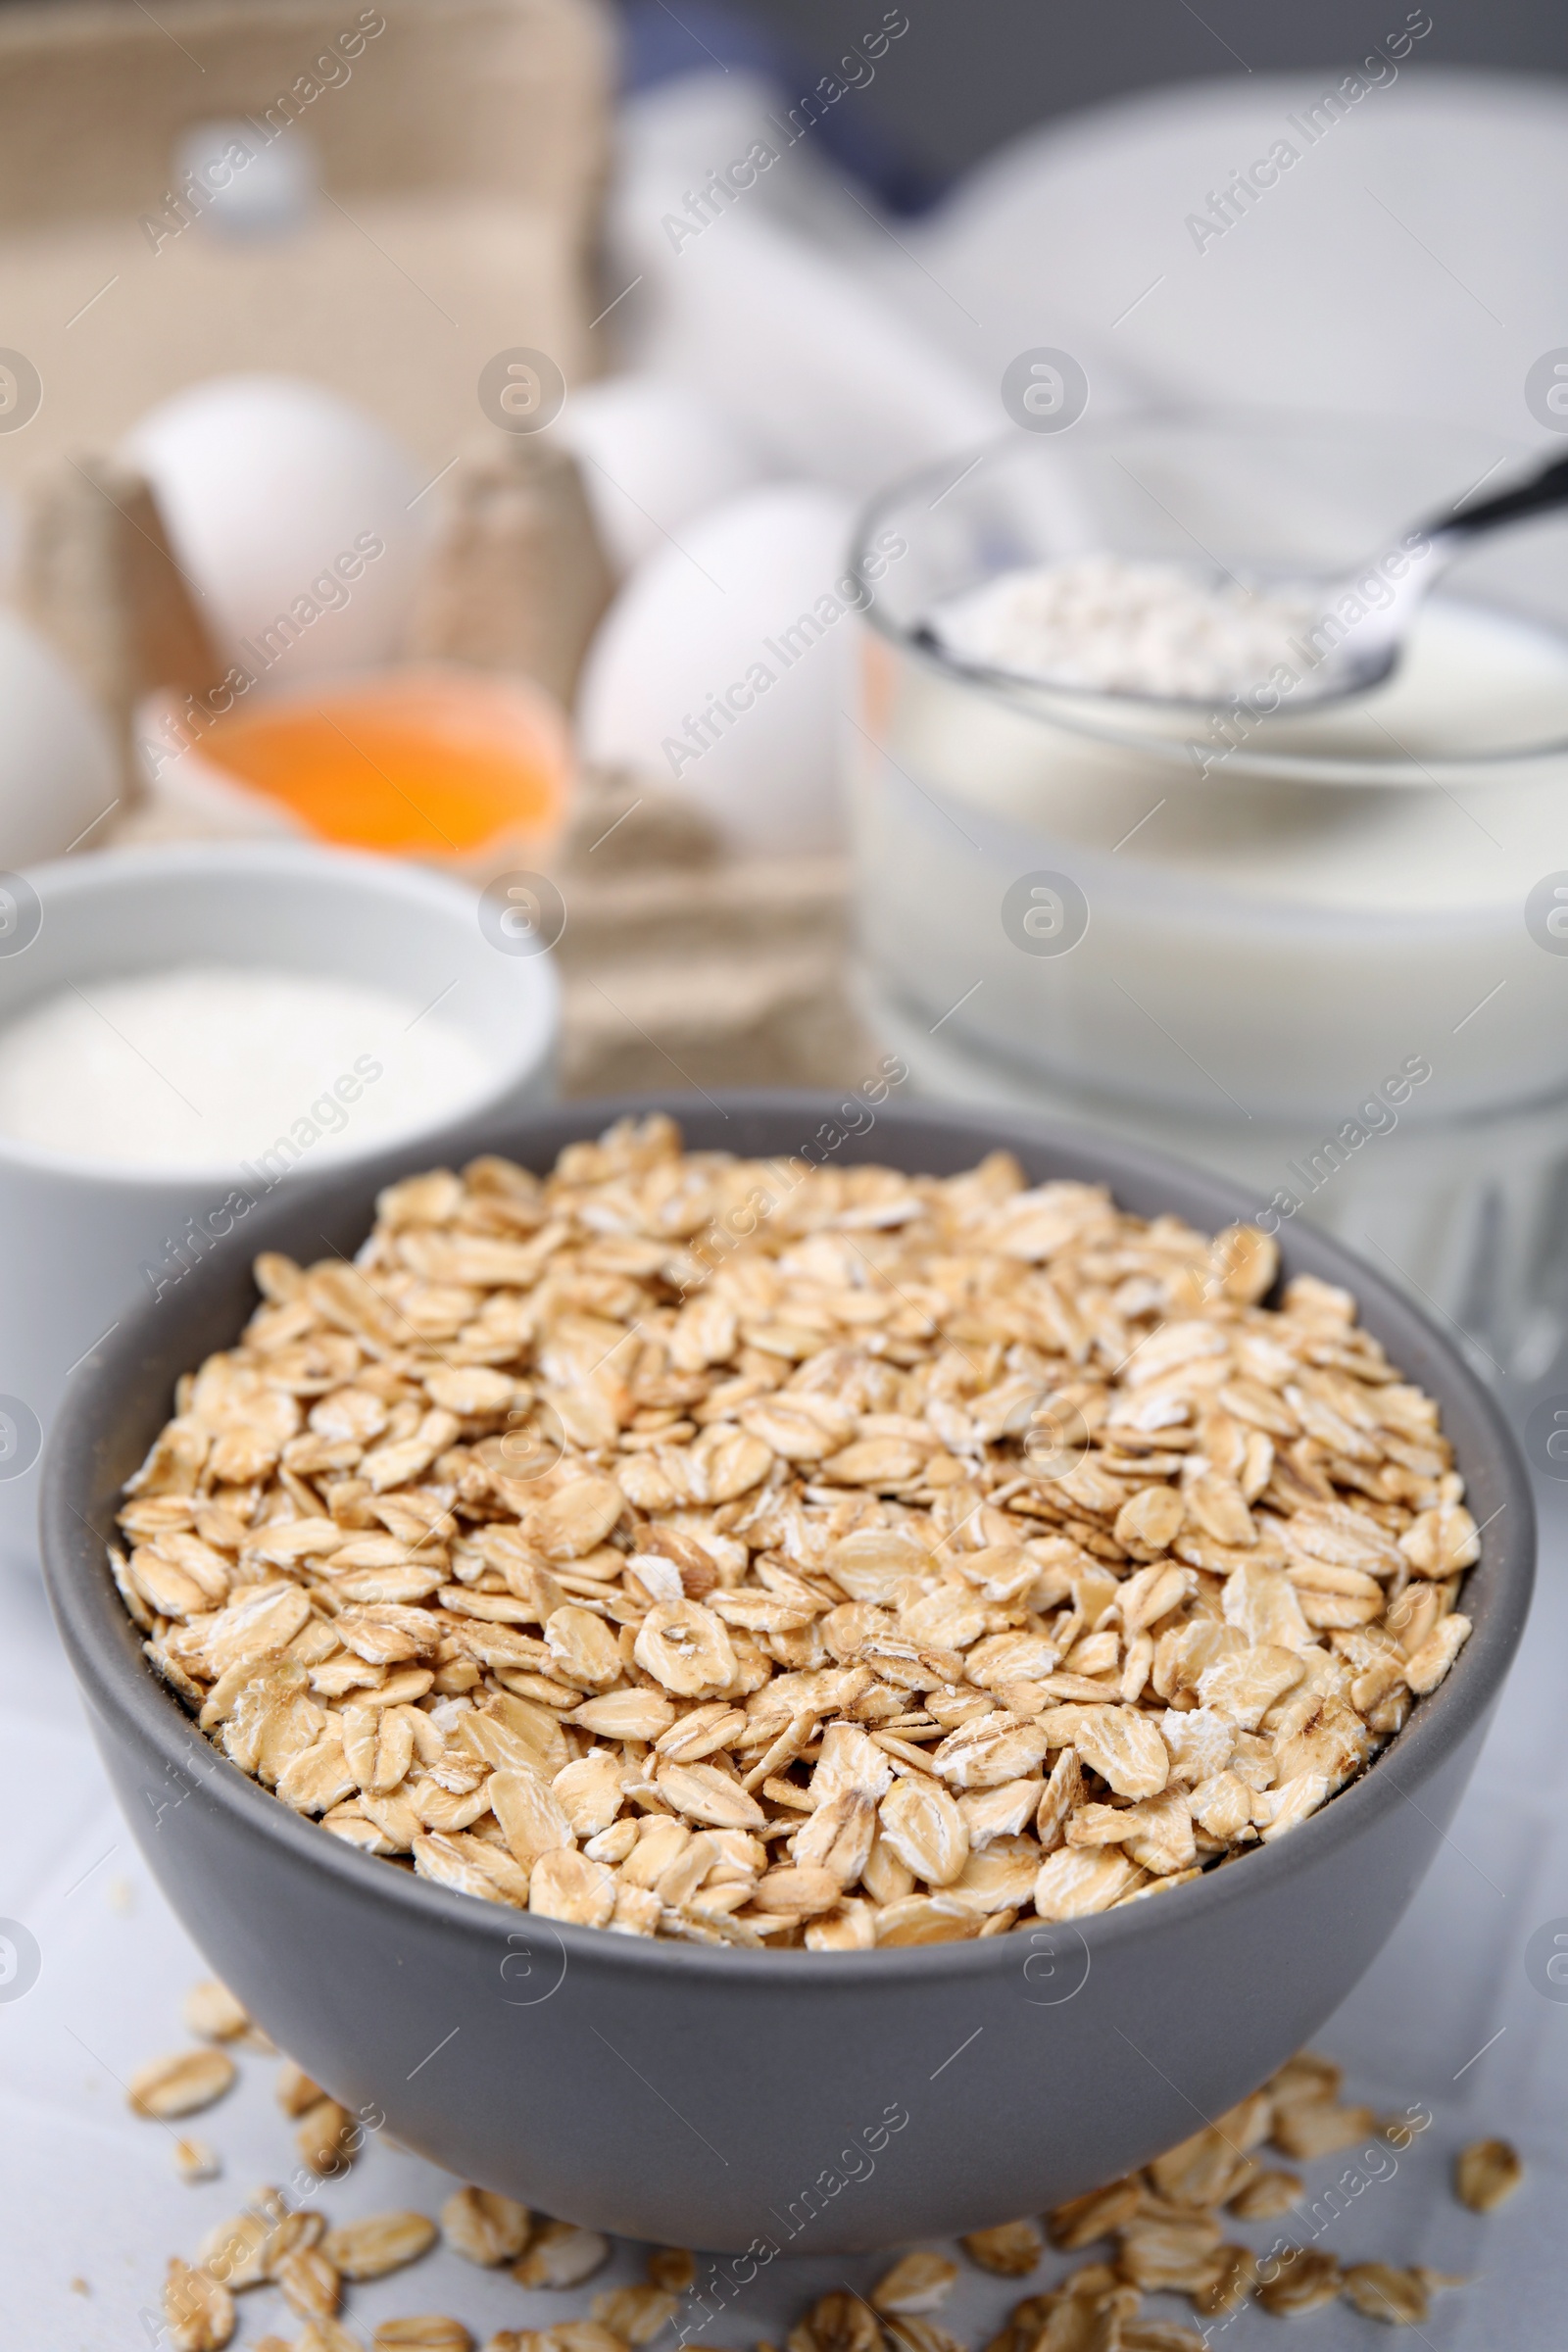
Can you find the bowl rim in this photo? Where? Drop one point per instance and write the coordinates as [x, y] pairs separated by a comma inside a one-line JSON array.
[[422, 893], [104, 1646]]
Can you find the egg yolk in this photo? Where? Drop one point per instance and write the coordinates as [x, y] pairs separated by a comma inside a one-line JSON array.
[[424, 764]]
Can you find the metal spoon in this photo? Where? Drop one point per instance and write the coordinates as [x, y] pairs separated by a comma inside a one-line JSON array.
[[1333, 652], [1363, 652]]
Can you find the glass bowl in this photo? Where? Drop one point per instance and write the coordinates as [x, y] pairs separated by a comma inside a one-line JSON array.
[[1322, 941]]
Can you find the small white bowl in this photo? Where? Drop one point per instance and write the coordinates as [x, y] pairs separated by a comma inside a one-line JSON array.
[[80, 1239]]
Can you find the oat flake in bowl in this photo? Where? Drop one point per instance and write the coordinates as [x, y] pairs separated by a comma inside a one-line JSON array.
[[751, 1552]]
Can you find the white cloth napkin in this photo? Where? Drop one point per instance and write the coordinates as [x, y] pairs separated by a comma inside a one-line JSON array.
[[1409, 259]]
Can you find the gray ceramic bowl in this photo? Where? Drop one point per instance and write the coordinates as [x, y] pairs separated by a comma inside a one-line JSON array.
[[815, 2102]]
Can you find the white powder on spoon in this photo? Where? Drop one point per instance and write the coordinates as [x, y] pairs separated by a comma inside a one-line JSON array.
[[1118, 626], [209, 1066]]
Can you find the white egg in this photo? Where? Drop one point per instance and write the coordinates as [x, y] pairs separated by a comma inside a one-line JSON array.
[[652, 455], [719, 669], [57, 769], [289, 509]]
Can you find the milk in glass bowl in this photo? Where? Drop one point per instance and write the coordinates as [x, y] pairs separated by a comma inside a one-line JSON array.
[[1323, 949]]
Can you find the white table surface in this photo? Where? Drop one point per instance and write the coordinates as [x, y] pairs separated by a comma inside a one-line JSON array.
[[90, 2192]]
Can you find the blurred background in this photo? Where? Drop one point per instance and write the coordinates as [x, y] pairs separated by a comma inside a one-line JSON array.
[[532, 439], [537, 445], [974, 83]]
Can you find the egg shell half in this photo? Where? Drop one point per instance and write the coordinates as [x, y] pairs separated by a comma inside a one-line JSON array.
[[58, 768], [290, 511], [653, 455]]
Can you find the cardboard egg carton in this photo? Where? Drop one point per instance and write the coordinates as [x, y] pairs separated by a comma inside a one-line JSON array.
[[451, 157], [687, 966], [516, 581], [452, 154]]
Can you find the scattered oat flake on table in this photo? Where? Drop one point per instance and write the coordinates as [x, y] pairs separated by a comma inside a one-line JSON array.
[[1083, 2219], [837, 2322], [1168, 2233], [840, 2323], [325, 2137], [1399, 2298], [1208, 2168], [293, 2232], [913, 2334], [674, 2267], [235, 2251], [200, 2310], [378, 2243], [326, 2335], [247, 2248], [1158, 2253], [196, 2160], [180, 2085], [546, 2340], [1012, 2249], [635, 2314], [1298, 2280], [1232, 2279], [561, 2255], [592, 1561], [1091, 2317], [485, 2228], [296, 2093], [1307, 2075], [211, 2010], [429, 2334], [310, 2283], [1485, 2174], [579, 2335], [918, 2282], [1309, 2128], [1267, 2196]]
